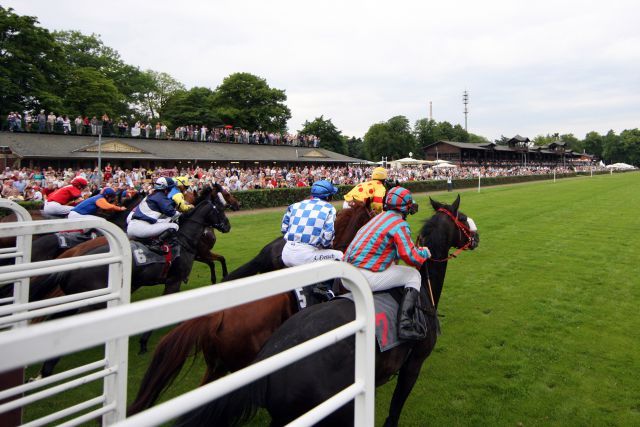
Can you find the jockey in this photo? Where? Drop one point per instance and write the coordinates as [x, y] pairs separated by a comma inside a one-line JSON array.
[[373, 190], [61, 201], [375, 250], [152, 217], [308, 228], [89, 207], [182, 183]]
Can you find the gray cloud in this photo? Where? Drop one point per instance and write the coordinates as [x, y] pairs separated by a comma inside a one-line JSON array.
[[530, 67]]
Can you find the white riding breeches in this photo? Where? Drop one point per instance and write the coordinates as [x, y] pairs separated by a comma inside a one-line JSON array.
[[346, 205], [76, 215], [144, 230], [394, 276], [295, 253], [55, 208]]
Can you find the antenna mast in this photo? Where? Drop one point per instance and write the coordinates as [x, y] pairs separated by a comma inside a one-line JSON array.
[[465, 101]]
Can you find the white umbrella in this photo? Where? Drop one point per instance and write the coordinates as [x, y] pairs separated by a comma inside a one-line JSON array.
[[444, 166]]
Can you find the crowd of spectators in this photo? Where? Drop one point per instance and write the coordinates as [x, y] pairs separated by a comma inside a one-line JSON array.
[[35, 184], [104, 125]]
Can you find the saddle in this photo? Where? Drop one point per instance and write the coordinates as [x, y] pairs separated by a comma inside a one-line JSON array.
[[49, 216]]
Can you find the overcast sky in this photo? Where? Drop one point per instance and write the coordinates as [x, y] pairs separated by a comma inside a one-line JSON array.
[[530, 67]]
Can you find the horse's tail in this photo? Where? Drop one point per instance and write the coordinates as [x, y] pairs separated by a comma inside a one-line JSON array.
[[170, 355], [43, 287], [248, 269], [235, 408]]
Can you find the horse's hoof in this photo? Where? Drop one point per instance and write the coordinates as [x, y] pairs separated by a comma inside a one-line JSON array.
[[32, 379]]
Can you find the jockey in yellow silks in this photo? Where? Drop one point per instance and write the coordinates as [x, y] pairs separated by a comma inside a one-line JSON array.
[[182, 182], [373, 190]]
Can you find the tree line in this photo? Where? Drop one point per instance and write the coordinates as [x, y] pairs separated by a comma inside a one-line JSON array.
[[71, 73]]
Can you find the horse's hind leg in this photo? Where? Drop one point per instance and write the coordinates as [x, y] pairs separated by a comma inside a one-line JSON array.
[[222, 261], [143, 342]]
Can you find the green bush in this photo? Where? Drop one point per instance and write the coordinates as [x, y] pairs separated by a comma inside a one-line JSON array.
[[30, 206]]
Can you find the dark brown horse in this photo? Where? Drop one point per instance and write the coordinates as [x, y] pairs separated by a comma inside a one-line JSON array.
[[230, 339], [297, 388], [208, 239]]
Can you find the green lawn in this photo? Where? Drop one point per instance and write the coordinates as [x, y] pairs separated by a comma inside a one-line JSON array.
[[540, 323]]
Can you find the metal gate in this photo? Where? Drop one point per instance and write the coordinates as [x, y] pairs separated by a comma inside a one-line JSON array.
[[16, 311], [28, 345]]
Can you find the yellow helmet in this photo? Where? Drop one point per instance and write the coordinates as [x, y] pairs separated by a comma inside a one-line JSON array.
[[183, 181], [379, 173]]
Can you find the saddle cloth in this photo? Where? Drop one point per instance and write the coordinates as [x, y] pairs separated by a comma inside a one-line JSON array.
[[386, 308], [142, 255], [70, 239]]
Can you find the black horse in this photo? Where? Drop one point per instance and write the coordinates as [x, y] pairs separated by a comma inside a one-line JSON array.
[[297, 388], [207, 213]]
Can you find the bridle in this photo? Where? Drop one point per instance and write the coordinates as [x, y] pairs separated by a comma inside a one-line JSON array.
[[462, 229]]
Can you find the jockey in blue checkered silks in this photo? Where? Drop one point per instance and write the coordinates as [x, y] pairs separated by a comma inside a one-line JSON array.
[[308, 228]]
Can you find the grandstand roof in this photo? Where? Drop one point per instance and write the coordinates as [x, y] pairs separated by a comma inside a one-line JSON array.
[[32, 145]]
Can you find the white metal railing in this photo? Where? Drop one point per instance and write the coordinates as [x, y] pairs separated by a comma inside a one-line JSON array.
[[21, 347], [22, 253], [112, 369]]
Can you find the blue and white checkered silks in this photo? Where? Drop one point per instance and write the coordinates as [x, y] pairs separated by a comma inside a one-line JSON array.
[[311, 222]]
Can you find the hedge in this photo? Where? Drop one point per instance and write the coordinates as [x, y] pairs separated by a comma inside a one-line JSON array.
[[254, 199]]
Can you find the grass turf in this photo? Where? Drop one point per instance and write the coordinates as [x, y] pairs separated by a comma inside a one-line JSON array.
[[540, 323]]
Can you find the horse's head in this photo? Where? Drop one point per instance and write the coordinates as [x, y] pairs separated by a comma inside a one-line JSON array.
[[349, 221], [448, 228], [210, 213], [226, 197]]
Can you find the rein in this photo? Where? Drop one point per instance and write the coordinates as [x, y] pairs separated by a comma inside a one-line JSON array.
[[462, 229]]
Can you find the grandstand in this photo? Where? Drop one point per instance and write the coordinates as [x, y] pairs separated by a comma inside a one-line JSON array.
[[35, 150]]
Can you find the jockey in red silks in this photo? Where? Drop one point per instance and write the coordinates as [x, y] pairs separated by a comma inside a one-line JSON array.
[[61, 201], [377, 247]]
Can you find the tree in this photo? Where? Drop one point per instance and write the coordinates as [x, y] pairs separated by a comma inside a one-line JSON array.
[[91, 93], [158, 88], [30, 64], [355, 147], [612, 150], [630, 141], [82, 51], [477, 139], [392, 139], [330, 137], [503, 140], [247, 101], [191, 107], [428, 132], [593, 144]]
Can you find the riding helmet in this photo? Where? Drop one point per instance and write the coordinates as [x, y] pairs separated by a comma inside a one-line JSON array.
[[399, 199], [323, 189]]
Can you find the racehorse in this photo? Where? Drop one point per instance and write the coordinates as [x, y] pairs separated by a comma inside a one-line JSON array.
[[230, 339], [207, 213], [208, 239], [297, 388]]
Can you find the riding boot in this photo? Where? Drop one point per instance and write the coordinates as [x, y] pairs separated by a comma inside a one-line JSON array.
[[169, 237], [412, 323], [324, 290]]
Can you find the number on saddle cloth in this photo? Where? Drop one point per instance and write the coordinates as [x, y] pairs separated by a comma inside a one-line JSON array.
[[142, 255]]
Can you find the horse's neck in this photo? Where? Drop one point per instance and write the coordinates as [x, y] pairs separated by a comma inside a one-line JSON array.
[[439, 249], [193, 226]]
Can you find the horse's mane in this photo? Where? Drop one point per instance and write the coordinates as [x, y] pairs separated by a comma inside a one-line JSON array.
[[347, 224], [205, 194], [431, 223], [131, 202]]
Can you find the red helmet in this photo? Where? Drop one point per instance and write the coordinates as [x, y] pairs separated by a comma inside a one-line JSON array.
[[79, 182]]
